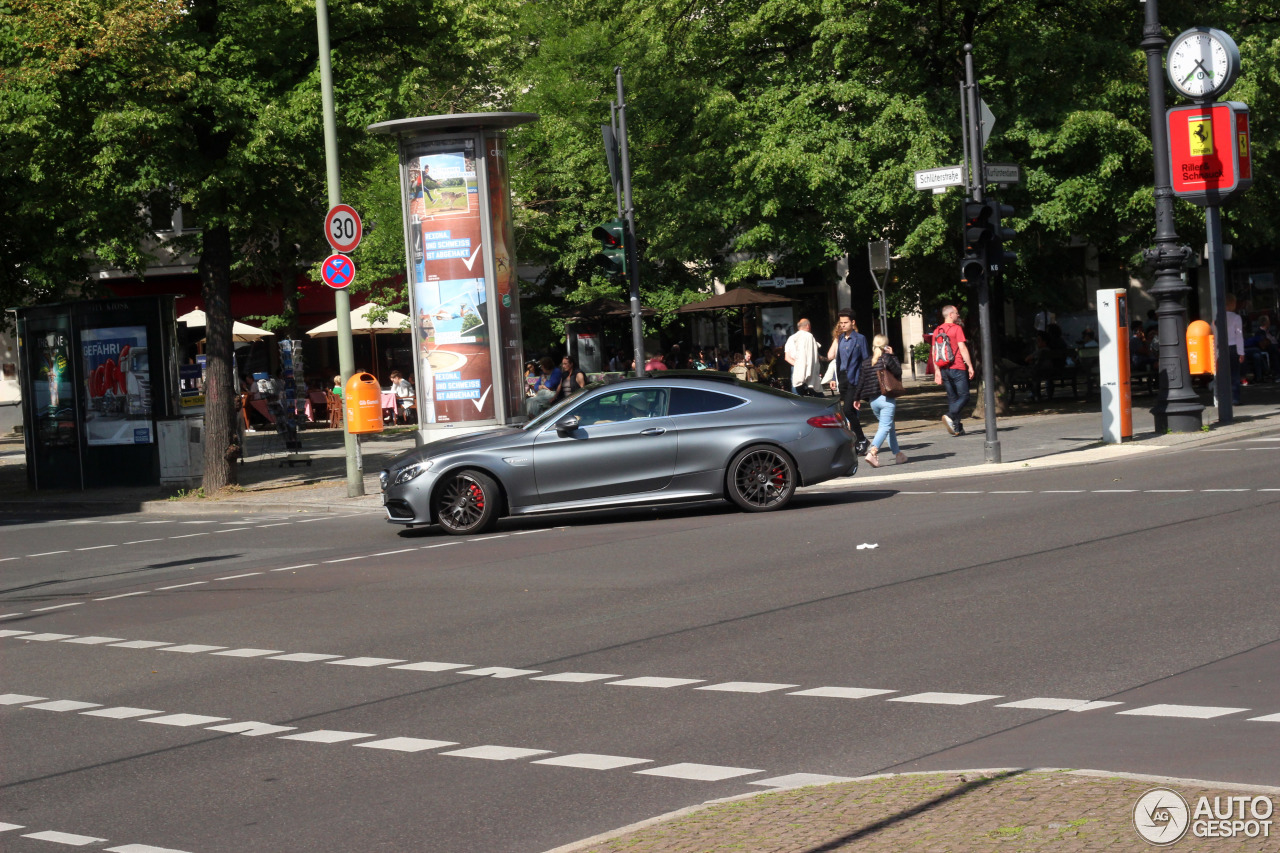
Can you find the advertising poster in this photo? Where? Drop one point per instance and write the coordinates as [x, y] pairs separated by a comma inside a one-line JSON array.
[[454, 374], [52, 391], [778, 325], [118, 385], [507, 285]]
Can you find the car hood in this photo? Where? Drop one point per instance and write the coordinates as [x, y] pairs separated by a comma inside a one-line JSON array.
[[467, 441]]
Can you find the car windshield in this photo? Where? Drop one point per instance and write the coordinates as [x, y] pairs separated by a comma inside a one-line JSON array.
[[553, 413]]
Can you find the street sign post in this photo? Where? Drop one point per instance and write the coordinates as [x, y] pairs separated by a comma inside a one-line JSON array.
[[338, 271], [940, 178], [342, 228]]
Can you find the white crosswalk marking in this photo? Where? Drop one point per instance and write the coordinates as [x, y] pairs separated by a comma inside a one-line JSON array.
[[251, 729], [64, 838], [654, 681], [746, 687], [183, 720], [945, 698], [592, 761], [327, 736], [121, 713], [576, 677], [1197, 712], [407, 744], [698, 772], [842, 692], [496, 753], [430, 666]]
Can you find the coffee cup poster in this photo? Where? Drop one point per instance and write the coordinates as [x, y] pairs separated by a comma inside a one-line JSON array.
[[449, 303]]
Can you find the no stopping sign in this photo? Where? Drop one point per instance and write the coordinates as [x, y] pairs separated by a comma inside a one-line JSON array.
[[337, 271], [342, 228]]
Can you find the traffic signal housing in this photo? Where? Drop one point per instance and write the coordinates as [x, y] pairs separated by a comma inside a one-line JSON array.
[[612, 257], [997, 257], [978, 234]]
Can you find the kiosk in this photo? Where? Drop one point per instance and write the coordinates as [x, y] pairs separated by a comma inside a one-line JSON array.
[[98, 377], [463, 294]]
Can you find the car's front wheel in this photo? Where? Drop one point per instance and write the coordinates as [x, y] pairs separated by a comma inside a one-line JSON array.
[[467, 502], [761, 478]]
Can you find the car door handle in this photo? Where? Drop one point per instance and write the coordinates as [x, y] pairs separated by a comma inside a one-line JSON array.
[[652, 431]]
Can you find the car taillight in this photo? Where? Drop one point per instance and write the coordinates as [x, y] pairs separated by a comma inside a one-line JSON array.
[[827, 421]]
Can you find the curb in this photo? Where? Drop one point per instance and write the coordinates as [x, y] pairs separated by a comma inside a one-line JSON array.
[[585, 843]]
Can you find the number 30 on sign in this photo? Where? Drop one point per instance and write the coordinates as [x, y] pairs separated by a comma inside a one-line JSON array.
[[342, 228]]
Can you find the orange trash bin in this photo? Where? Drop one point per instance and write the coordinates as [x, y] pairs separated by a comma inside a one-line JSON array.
[[1200, 347], [363, 401]]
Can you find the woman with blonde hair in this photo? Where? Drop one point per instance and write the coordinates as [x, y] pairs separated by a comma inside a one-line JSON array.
[[882, 407]]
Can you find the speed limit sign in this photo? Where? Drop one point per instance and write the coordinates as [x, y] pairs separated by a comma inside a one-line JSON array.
[[342, 228]]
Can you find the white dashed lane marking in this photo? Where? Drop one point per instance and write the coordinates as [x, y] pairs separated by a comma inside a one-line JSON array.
[[71, 839], [1056, 704]]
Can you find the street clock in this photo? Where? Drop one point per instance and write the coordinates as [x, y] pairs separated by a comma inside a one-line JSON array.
[[1203, 63]]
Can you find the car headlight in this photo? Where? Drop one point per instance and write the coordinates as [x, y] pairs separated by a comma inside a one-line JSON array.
[[407, 473]]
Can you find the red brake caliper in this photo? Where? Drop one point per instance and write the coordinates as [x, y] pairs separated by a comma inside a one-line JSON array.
[[477, 496]]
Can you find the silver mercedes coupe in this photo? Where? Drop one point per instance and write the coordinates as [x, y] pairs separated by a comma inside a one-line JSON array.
[[668, 437]]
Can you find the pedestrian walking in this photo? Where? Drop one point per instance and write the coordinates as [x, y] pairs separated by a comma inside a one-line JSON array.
[[849, 351], [801, 352], [872, 389], [952, 367]]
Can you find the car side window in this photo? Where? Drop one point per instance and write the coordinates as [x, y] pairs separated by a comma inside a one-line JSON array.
[[697, 401], [620, 406]]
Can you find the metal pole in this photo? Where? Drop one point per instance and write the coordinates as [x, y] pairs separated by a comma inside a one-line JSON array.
[[341, 300], [991, 445], [964, 137], [1218, 289], [633, 266], [1177, 408]]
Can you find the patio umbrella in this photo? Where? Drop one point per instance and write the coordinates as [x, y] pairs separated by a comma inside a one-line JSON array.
[[395, 324], [739, 297], [239, 331]]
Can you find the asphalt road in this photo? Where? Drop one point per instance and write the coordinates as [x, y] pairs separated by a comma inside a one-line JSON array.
[[326, 683]]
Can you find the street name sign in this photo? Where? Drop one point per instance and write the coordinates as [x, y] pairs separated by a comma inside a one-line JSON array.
[[1002, 173], [778, 282], [942, 177]]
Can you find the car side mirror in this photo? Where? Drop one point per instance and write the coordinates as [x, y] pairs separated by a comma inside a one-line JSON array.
[[569, 424]]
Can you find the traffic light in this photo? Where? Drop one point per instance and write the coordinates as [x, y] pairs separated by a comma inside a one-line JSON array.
[[997, 257], [612, 256], [978, 234]]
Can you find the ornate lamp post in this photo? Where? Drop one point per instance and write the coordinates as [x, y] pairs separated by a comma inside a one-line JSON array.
[[1178, 407]]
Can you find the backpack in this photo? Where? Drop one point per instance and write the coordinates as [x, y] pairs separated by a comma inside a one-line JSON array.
[[943, 355]]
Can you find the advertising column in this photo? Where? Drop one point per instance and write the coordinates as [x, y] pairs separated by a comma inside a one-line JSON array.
[[455, 375]]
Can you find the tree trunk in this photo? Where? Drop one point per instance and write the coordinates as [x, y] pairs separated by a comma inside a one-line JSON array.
[[221, 386]]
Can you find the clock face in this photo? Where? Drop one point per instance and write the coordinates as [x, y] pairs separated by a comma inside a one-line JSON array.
[[1202, 63]]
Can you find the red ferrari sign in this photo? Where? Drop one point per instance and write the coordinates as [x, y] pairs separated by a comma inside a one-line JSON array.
[[1209, 152]]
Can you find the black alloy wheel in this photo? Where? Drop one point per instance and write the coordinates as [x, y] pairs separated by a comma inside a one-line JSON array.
[[761, 479], [467, 502]]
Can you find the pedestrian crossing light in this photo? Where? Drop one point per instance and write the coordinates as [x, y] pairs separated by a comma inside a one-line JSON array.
[[997, 257], [612, 257], [978, 234]]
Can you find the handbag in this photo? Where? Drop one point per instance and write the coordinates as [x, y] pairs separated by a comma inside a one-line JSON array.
[[890, 385]]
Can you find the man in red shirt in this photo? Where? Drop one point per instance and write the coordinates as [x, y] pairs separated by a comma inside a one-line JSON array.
[[952, 367]]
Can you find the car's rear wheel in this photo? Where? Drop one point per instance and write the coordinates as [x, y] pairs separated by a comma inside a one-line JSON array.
[[761, 478], [467, 502]]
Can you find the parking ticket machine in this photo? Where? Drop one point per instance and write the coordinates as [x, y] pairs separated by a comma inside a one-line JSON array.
[[1113, 365]]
